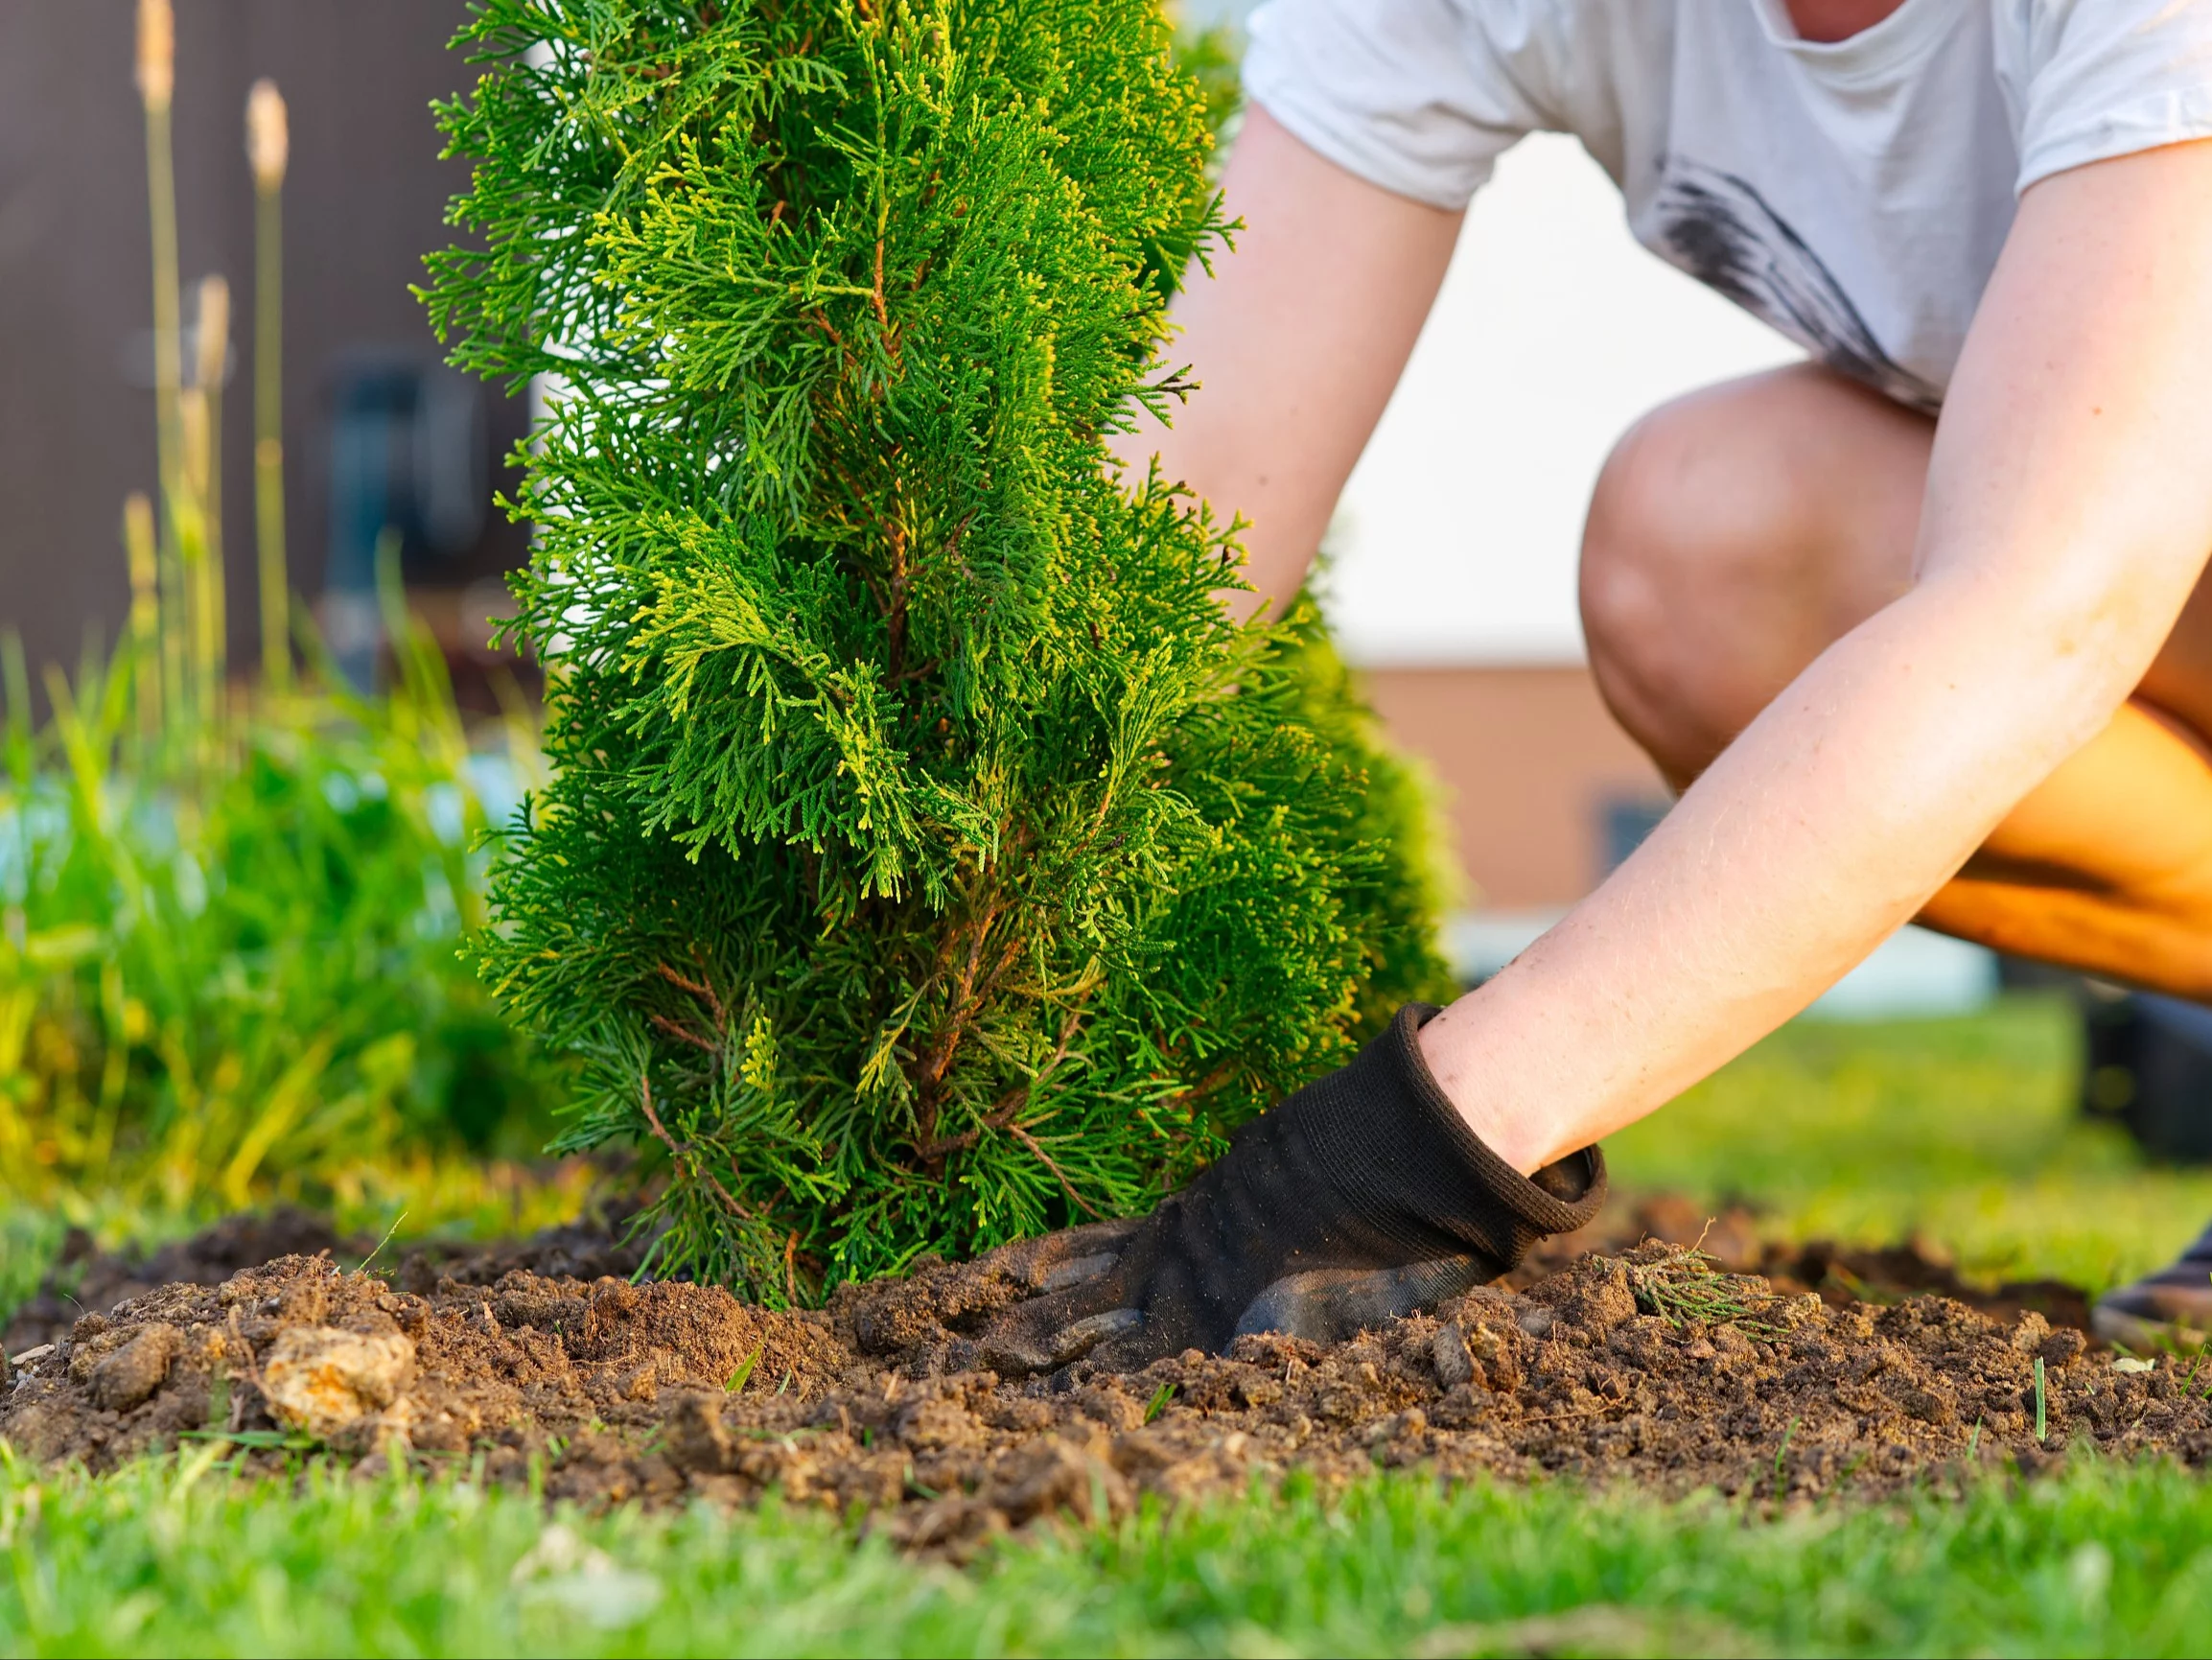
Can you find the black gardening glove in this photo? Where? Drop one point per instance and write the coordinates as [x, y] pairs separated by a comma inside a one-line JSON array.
[[1361, 1198]]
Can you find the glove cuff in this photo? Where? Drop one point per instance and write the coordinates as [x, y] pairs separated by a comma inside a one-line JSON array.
[[1562, 1196]]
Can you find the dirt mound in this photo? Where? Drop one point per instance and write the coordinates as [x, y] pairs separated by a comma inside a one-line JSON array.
[[1648, 1365], [299, 1348], [1842, 1274], [592, 1248], [86, 1280]]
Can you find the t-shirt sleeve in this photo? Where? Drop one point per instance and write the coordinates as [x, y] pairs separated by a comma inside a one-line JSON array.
[[2091, 80], [1420, 97]]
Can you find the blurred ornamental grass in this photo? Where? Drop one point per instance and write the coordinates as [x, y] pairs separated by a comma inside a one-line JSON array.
[[231, 916]]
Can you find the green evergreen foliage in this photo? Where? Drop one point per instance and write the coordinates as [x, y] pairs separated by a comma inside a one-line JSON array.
[[929, 859]]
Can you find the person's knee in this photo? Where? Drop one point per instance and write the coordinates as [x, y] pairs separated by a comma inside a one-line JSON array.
[[1734, 535], [1682, 538], [1636, 547]]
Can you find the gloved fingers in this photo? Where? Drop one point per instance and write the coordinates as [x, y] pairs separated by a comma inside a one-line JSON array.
[[1138, 1346], [1060, 1261], [1051, 1331], [1331, 1305], [1322, 1306], [1080, 1279], [1078, 1338]]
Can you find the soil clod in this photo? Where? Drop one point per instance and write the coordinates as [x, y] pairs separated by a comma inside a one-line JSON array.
[[322, 1380]]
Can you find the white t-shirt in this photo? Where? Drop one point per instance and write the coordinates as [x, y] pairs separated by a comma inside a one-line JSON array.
[[1854, 195]]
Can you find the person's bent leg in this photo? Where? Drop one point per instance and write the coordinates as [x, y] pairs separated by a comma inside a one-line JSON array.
[[2106, 867], [1737, 533]]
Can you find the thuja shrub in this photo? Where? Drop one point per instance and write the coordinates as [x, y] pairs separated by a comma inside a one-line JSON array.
[[929, 860]]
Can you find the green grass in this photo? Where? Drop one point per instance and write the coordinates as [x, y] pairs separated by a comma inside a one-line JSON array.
[[235, 911], [154, 1561], [29, 1239], [1962, 1129]]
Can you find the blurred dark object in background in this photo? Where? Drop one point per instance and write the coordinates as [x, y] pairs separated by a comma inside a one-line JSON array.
[[364, 201], [407, 457], [2148, 1064], [2146, 1060]]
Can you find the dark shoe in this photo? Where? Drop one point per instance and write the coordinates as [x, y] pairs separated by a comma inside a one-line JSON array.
[[2172, 1306]]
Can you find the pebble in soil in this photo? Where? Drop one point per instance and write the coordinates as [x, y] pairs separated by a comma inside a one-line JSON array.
[[1648, 1365]]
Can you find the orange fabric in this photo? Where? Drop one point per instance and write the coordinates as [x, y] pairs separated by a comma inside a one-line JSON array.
[[2107, 866]]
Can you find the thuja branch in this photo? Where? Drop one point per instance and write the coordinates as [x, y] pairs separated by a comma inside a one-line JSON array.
[[1002, 1115], [686, 1156]]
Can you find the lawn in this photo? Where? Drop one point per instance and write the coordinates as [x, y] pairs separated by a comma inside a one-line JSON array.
[[1962, 1129], [171, 1559]]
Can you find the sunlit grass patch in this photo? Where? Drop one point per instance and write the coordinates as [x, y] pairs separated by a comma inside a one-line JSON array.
[[1963, 1130]]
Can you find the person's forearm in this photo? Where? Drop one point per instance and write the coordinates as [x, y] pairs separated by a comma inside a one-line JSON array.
[[1824, 827], [1295, 341]]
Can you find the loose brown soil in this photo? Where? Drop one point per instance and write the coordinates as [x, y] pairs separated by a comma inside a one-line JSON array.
[[1637, 1364], [86, 1280]]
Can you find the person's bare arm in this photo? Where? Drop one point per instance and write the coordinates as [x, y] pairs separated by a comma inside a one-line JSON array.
[[2068, 514], [1295, 343]]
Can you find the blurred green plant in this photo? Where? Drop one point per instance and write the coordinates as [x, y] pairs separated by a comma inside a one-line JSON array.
[[1213, 58], [230, 979], [231, 917]]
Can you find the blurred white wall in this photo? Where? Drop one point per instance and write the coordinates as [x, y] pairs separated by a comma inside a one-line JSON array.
[[1456, 538]]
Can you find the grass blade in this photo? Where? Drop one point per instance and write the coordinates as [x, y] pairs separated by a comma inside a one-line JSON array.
[[744, 1371]]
